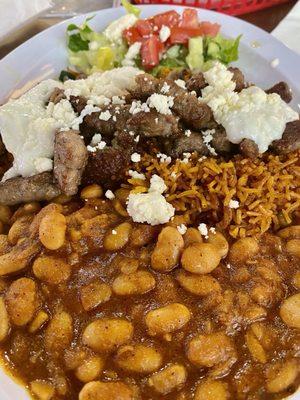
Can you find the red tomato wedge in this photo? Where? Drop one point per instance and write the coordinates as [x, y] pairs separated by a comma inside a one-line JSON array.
[[181, 35], [169, 18], [189, 19], [132, 35], [150, 52], [209, 29], [144, 27]]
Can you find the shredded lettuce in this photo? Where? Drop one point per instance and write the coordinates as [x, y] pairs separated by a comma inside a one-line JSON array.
[[79, 36], [130, 8], [222, 49]]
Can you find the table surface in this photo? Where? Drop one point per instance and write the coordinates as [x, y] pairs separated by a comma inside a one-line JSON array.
[[266, 19]]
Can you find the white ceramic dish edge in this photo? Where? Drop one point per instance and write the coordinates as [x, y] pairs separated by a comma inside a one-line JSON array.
[[45, 55]]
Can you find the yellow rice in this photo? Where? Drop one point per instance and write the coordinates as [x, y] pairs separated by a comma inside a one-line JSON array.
[[267, 189]]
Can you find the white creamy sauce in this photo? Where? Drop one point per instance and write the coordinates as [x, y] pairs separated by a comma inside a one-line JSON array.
[[250, 114], [28, 126], [151, 207]]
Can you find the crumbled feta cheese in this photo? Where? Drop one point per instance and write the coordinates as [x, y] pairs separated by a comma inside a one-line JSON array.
[[207, 138], [138, 106], [156, 119], [135, 157], [114, 31], [114, 232], [157, 184], [212, 230], [161, 103], [96, 139], [137, 139], [151, 207], [164, 158], [187, 133], [180, 83], [233, 204], [131, 133], [118, 101], [101, 145], [274, 63], [109, 195], [91, 149], [186, 157], [165, 88], [114, 118], [250, 114], [182, 229], [105, 115], [136, 175], [203, 230], [164, 33], [131, 54]]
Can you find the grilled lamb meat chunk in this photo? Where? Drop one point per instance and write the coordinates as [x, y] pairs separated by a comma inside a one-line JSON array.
[[185, 144], [107, 166], [283, 90], [92, 124], [192, 112], [196, 83], [183, 74], [249, 148], [57, 95], [153, 124], [70, 158], [125, 140], [146, 85], [22, 190], [220, 141], [290, 140], [238, 78], [2, 147], [78, 103]]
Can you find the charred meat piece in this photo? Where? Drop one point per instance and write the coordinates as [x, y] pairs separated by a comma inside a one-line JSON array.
[[220, 141], [153, 124], [78, 103], [125, 140], [22, 190], [249, 148], [193, 113], [93, 124], [146, 85], [238, 78], [196, 83], [290, 140], [107, 166], [175, 74], [283, 90], [57, 95], [70, 158], [184, 144]]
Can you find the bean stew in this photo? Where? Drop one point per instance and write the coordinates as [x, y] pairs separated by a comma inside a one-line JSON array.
[[96, 307]]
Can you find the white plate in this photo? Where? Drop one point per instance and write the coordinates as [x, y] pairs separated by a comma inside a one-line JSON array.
[[45, 56]]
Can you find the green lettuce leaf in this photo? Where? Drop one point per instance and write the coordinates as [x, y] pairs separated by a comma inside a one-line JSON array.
[[79, 36], [130, 8], [222, 49]]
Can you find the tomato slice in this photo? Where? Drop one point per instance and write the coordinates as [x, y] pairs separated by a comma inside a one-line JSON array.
[[132, 35], [181, 35], [150, 52], [169, 18], [189, 19], [144, 27], [209, 29]]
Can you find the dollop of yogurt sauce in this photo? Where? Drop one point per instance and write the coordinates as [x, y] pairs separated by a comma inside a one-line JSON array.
[[250, 114]]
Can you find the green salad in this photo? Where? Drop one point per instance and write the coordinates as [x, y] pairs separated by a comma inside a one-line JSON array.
[[159, 44]]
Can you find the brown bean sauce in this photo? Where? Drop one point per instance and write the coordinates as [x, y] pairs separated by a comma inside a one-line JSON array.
[[243, 305]]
